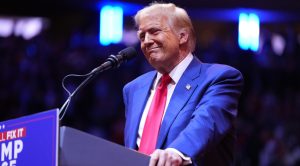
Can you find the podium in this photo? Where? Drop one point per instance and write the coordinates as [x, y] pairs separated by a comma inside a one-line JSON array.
[[79, 148], [37, 140]]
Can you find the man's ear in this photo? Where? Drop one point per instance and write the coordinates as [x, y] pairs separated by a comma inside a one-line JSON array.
[[183, 36]]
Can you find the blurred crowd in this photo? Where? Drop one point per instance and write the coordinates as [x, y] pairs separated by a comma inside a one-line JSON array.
[[31, 72]]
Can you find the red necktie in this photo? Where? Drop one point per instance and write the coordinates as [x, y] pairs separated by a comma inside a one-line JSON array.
[[154, 117]]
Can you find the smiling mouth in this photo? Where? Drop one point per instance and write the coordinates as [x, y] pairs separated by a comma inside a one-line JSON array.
[[153, 49]]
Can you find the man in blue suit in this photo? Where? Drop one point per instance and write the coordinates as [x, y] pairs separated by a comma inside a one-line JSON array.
[[197, 125]]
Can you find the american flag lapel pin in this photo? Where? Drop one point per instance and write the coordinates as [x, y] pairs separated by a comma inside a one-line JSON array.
[[188, 86]]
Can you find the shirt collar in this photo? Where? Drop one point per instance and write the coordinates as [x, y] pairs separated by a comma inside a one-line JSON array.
[[177, 72]]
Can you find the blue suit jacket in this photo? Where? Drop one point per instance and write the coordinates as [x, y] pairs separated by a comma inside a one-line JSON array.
[[199, 122]]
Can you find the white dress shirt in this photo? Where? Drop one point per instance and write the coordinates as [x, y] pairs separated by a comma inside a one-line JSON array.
[[175, 74]]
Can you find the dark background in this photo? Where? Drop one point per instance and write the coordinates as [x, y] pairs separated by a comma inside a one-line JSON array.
[[31, 71]]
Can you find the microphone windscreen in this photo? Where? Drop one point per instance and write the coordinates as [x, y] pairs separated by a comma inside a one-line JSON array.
[[128, 53]]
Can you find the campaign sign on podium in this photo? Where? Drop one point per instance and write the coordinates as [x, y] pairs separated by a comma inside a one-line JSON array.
[[30, 140]]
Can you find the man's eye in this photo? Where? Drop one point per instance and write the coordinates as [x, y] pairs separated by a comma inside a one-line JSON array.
[[142, 37], [155, 31]]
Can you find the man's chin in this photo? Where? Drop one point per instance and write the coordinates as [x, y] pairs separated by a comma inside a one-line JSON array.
[[154, 60], [154, 55], [157, 64]]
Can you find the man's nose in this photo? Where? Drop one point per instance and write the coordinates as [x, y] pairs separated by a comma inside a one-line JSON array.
[[148, 39]]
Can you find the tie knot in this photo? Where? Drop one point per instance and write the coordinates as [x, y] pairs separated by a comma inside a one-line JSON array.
[[165, 80]]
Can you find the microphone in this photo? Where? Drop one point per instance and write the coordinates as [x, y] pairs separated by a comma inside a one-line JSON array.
[[114, 61]]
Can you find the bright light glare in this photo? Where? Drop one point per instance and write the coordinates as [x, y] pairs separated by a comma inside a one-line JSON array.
[[111, 25], [243, 31], [28, 28], [32, 28], [253, 31], [248, 37], [278, 44], [6, 27]]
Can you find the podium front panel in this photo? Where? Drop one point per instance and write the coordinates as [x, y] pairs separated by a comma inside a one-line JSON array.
[[80, 149]]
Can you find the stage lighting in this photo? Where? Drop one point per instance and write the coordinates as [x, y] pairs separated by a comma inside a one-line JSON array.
[[6, 27], [111, 25], [278, 44], [248, 37], [28, 28]]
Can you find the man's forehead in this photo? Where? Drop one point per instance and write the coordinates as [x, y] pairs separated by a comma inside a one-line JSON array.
[[150, 17], [150, 24], [151, 21]]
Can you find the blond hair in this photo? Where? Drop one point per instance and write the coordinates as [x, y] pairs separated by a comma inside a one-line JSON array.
[[177, 18]]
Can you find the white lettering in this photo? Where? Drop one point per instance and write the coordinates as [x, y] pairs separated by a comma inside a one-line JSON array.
[[13, 163], [6, 151], [20, 132], [18, 147], [11, 134]]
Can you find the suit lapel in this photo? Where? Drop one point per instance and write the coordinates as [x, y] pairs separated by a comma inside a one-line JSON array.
[[182, 93], [140, 98]]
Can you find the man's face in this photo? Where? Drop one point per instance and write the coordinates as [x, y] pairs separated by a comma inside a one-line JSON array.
[[159, 43]]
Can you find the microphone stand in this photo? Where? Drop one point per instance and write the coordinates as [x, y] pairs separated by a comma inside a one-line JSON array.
[[105, 66], [83, 83], [113, 61]]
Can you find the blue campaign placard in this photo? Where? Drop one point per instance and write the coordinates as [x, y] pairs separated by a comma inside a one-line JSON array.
[[30, 140]]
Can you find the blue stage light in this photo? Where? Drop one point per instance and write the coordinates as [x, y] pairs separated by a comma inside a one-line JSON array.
[[111, 25], [243, 31], [254, 31], [248, 37]]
